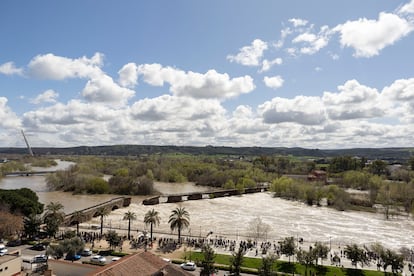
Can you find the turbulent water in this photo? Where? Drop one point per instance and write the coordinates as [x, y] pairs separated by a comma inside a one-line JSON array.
[[230, 216]]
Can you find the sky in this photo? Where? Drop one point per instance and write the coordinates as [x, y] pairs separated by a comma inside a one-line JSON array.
[[313, 74]]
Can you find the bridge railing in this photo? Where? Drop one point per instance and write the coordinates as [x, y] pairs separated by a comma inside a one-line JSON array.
[[98, 205]]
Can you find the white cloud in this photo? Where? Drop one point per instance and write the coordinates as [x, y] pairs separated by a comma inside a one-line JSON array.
[[312, 42], [369, 37], [354, 101], [9, 68], [211, 85], [297, 22], [54, 67], [250, 55], [172, 108], [8, 119], [104, 90], [49, 96], [74, 112], [407, 8], [283, 34], [155, 74], [273, 82], [400, 98], [267, 64], [128, 75], [301, 110]]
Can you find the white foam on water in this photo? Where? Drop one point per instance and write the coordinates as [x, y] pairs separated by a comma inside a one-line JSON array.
[[230, 216]]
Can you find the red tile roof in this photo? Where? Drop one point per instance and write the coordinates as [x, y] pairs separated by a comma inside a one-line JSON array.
[[142, 264]]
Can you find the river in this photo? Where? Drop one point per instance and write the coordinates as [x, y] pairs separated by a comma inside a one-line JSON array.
[[230, 216]]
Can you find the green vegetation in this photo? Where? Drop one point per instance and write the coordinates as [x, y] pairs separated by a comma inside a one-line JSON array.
[[252, 265], [21, 201]]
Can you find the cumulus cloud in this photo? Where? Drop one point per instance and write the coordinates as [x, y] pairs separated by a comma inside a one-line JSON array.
[[250, 55], [211, 85], [168, 107], [354, 101], [104, 90], [8, 119], [9, 68], [49, 96], [74, 112], [312, 43], [267, 64], [54, 67], [407, 8], [273, 82], [368, 37], [297, 22], [301, 110], [128, 75]]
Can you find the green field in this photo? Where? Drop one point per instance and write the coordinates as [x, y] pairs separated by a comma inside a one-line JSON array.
[[250, 265]]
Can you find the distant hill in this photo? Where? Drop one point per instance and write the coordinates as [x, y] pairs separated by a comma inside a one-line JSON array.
[[389, 154]]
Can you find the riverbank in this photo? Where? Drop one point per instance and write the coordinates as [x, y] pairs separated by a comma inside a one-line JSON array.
[[252, 259]]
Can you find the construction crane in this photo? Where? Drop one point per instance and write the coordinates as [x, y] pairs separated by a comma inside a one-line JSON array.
[[27, 144]]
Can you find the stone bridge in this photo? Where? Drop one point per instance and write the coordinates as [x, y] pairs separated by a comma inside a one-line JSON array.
[[94, 211], [201, 195]]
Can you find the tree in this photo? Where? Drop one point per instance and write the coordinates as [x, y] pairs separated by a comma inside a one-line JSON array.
[[266, 268], [391, 258], [31, 225], [10, 225], [208, 261], [236, 261], [113, 239], [356, 255], [129, 216], [258, 229], [53, 217], [70, 246], [306, 258], [321, 251], [179, 219], [378, 167], [287, 247], [152, 218], [102, 212], [78, 217]]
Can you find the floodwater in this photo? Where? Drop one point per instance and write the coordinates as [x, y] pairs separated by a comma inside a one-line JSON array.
[[230, 216]]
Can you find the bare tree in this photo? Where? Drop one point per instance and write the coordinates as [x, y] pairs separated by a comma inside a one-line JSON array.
[[257, 229]]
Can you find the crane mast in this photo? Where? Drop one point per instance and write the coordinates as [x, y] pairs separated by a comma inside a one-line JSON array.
[[27, 144]]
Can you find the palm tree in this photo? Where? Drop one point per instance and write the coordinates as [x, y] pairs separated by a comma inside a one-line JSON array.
[[78, 217], [152, 217], [179, 219], [32, 225], [102, 212], [129, 216], [53, 217]]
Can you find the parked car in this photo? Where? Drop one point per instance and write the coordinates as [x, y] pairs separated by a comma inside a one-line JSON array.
[[72, 257], [86, 252], [188, 266], [3, 250], [98, 259], [114, 259], [40, 259], [14, 243], [38, 247]]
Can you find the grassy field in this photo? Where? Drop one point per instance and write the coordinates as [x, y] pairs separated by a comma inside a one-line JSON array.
[[251, 265]]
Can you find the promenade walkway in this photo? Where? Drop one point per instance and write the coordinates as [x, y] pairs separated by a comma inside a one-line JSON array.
[[336, 249]]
